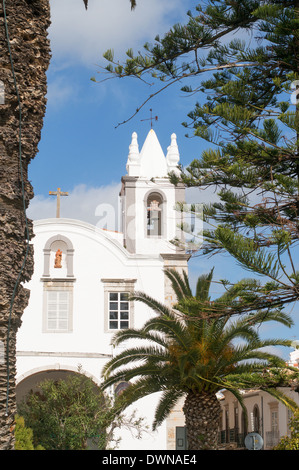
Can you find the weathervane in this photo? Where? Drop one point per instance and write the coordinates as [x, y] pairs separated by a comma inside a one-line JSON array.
[[58, 193], [151, 118]]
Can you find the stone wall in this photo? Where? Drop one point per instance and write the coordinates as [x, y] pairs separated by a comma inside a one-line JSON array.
[[22, 110]]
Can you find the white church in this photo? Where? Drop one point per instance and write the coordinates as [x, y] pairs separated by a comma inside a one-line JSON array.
[[79, 299], [83, 275]]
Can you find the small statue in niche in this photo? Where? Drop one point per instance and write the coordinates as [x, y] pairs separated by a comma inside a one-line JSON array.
[[58, 259]]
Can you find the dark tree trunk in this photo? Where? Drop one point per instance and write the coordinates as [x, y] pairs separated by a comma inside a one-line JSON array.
[[202, 415], [27, 23]]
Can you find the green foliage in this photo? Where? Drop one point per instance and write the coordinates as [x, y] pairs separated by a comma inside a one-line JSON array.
[[197, 347], [201, 31], [24, 436], [243, 108], [71, 414], [291, 442], [255, 135]]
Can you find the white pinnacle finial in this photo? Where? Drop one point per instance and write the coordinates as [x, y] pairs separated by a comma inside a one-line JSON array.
[[133, 163], [173, 155], [133, 149]]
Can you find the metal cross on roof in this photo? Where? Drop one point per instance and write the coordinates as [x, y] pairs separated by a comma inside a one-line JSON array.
[[155, 118]]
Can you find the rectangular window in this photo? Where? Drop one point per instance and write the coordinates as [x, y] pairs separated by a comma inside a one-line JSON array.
[[119, 310], [274, 421], [58, 306], [58, 310]]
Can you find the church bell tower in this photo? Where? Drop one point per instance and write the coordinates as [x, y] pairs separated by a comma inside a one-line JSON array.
[[150, 219]]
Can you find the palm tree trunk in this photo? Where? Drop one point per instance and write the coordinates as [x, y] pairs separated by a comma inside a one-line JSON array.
[[202, 416], [24, 61]]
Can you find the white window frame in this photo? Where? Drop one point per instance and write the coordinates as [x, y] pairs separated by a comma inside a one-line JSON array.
[[117, 286], [59, 288], [119, 310]]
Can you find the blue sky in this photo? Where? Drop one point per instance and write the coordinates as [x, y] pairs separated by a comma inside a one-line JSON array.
[[80, 142], [82, 148]]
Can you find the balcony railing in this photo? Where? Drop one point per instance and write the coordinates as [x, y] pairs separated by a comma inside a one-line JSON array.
[[233, 435], [229, 436], [272, 439]]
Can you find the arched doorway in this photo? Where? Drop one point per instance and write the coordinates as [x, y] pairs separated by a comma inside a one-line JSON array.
[[32, 380], [53, 409]]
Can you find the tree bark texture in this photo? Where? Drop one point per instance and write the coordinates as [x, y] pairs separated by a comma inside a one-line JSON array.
[[27, 23], [202, 416]]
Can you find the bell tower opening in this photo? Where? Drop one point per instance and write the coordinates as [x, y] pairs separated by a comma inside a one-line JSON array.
[[154, 208]]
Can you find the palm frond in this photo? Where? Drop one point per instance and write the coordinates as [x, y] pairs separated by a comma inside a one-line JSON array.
[[139, 389], [174, 331], [143, 387], [136, 354], [287, 401], [203, 286], [133, 334], [239, 329], [166, 404], [154, 304], [155, 372], [180, 283], [185, 349]]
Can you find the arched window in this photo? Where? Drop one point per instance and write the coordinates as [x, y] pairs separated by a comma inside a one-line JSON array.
[[58, 257], [120, 387], [154, 208], [256, 419]]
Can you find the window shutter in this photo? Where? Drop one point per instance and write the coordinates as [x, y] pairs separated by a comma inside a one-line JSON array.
[[58, 310], [63, 309]]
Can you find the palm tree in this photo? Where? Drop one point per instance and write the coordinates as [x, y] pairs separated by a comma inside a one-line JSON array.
[[184, 354], [25, 57]]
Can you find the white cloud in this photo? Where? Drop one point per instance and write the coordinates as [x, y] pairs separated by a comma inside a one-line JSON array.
[[197, 195], [79, 36], [97, 206], [60, 91]]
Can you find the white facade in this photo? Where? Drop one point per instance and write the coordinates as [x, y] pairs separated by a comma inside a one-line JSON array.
[[82, 275], [267, 416], [294, 355]]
